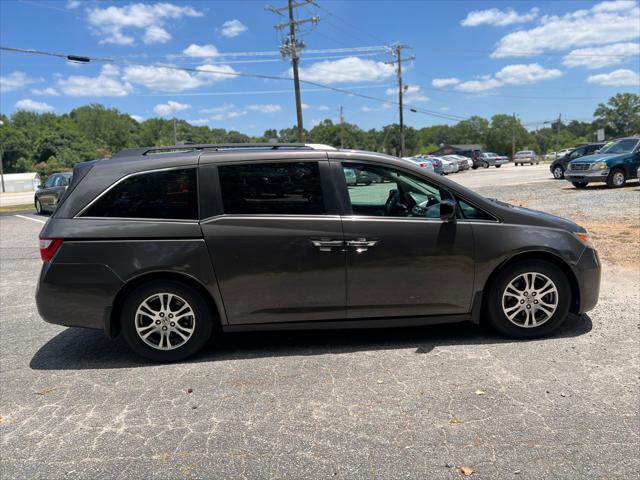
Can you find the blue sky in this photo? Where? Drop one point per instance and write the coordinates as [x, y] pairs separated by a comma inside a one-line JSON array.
[[535, 59]]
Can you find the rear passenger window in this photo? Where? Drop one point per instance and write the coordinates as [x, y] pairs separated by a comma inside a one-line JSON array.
[[272, 188], [170, 194]]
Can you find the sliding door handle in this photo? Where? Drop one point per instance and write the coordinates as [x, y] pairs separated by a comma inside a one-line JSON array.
[[325, 244], [361, 244]]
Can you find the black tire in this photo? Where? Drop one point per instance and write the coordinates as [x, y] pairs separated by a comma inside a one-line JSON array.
[[493, 303], [617, 178], [203, 321], [516, 164], [38, 206], [498, 166], [558, 172], [475, 167], [485, 164], [580, 184]]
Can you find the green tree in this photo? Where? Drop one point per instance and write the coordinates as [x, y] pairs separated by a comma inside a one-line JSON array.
[[499, 137], [620, 116]]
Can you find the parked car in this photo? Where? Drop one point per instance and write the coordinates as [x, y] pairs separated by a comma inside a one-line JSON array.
[[490, 159], [448, 166], [425, 163], [437, 164], [350, 177], [466, 160], [614, 164], [48, 196], [559, 166], [166, 246], [461, 162], [525, 156]]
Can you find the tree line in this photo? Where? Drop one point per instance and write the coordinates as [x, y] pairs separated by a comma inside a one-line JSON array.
[[48, 142]]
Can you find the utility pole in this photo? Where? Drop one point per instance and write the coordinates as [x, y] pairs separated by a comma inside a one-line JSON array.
[[558, 131], [513, 137], [341, 128], [397, 51], [1, 163], [175, 132], [292, 46]]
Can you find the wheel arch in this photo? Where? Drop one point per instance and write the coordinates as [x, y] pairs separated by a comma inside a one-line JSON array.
[[545, 256], [112, 319]]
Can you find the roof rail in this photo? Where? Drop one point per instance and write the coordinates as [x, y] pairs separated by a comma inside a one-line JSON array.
[[132, 152]]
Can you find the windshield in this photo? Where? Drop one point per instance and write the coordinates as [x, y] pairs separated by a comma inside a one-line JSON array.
[[621, 146]]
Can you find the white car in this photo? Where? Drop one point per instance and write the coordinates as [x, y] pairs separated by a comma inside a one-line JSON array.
[[448, 166], [525, 156], [460, 161]]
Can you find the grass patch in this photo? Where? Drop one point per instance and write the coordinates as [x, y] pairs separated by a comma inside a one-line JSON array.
[[17, 208]]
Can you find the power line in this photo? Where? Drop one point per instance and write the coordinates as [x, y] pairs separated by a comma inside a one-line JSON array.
[[345, 91]]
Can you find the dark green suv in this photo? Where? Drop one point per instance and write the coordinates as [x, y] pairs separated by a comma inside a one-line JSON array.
[[614, 164]]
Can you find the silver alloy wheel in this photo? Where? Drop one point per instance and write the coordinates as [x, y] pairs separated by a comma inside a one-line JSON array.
[[557, 172], [618, 178], [530, 299], [165, 321]]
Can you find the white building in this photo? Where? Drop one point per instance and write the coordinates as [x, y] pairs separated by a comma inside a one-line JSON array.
[[21, 182]]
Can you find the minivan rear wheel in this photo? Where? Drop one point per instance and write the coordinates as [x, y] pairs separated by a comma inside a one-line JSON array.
[[529, 299], [166, 321]]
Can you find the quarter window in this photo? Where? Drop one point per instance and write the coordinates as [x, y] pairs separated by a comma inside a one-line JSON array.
[[469, 212], [385, 192], [170, 194], [291, 188]]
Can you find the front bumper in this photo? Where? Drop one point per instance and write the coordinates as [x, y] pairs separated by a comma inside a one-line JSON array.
[[588, 271], [586, 175]]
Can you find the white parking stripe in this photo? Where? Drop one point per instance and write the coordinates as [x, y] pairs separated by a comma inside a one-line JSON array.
[[32, 219]]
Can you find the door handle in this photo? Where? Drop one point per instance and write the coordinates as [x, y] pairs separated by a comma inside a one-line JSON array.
[[361, 244], [325, 244]]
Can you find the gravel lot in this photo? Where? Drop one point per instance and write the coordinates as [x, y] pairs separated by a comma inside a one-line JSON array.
[[411, 403]]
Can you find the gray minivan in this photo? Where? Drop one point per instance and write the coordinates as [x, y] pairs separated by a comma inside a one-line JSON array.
[[167, 245]]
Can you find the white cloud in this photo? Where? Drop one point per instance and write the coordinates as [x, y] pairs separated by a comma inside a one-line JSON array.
[[265, 108], [499, 18], [232, 28], [617, 78], [411, 93], [110, 23], [519, 74], [323, 108], [384, 106], [31, 105], [169, 108], [198, 122], [71, 4], [165, 79], [48, 92], [305, 106], [137, 118], [604, 56], [486, 82], [16, 81], [350, 69], [194, 50], [444, 82], [522, 74], [107, 84], [606, 22]]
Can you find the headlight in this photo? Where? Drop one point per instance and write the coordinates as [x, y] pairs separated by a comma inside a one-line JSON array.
[[584, 237], [599, 166]]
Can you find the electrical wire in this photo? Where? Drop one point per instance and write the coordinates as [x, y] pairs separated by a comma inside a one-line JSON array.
[[86, 59]]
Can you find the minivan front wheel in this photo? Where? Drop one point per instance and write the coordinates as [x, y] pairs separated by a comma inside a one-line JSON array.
[[166, 321], [38, 206], [529, 299]]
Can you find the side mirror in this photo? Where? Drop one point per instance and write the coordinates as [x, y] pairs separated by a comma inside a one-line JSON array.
[[448, 210], [41, 186]]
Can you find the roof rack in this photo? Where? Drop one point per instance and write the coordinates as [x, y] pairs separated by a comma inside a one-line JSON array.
[[132, 152]]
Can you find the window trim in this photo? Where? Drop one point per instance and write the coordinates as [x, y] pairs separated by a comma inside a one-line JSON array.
[[80, 215]]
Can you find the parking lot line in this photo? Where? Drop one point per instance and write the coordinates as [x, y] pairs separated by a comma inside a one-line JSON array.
[[32, 219]]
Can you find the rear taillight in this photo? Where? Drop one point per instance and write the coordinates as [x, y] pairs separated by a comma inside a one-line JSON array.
[[49, 247], [423, 165]]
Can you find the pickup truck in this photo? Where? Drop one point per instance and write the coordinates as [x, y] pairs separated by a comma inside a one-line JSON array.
[[614, 164]]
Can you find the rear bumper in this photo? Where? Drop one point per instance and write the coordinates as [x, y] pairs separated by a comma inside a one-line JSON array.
[[76, 295], [588, 273]]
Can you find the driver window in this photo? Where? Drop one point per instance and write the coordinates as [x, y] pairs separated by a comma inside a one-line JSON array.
[[386, 192]]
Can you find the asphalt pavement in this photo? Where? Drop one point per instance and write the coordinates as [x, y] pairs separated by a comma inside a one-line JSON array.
[[383, 404]]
